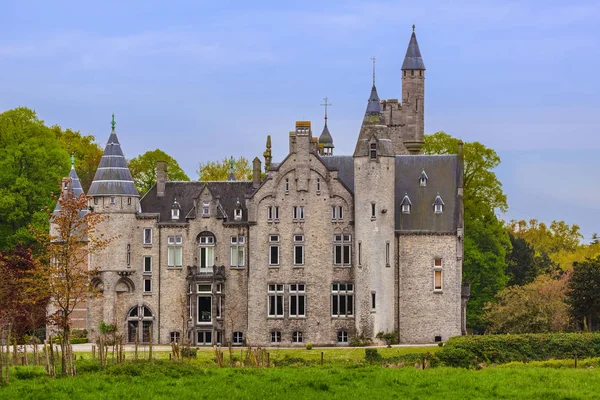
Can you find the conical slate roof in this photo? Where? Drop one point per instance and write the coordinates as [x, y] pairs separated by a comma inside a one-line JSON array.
[[413, 59], [374, 105], [373, 126], [112, 176], [325, 139], [75, 186]]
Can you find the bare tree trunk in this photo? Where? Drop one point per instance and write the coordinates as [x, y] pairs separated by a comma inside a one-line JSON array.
[[1, 355], [136, 343], [150, 349], [47, 358]]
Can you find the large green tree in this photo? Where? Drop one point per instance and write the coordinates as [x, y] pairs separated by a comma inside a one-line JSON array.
[[143, 169], [583, 294], [86, 151], [32, 162], [219, 170], [525, 264], [486, 241]]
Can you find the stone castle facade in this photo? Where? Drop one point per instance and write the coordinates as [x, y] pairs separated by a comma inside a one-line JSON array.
[[322, 248]]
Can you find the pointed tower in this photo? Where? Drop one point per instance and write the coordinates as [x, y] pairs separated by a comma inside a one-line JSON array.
[[413, 96], [374, 173], [325, 140], [70, 183], [113, 189]]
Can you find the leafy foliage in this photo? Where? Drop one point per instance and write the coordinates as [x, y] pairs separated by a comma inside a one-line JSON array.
[[86, 151], [461, 351], [24, 311], [143, 169], [538, 307], [583, 294], [219, 171], [524, 264], [32, 162]]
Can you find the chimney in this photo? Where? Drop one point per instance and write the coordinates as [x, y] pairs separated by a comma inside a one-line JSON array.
[[161, 178], [256, 167], [303, 137]]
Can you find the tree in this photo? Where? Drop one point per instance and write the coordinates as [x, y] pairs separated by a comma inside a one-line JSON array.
[[32, 162], [583, 294], [537, 307], [20, 308], [86, 151], [486, 242], [524, 265], [143, 169], [62, 272], [219, 171]]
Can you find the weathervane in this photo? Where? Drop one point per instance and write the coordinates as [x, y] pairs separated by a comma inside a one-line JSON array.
[[326, 105], [113, 123], [373, 59]]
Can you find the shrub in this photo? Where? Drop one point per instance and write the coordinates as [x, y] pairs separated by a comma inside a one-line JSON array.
[[360, 341], [309, 346], [29, 372], [461, 351], [189, 352], [389, 337], [372, 355]]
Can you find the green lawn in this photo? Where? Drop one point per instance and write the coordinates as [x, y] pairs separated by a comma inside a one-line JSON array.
[[165, 380]]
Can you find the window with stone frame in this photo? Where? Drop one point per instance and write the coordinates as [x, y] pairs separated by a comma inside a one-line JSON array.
[[297, 300], [373, 151], [342, 300], [148, 285], [175, 337], [174, 251], [273, 250], [238, 338], [437, 275], [207, 251], [206, 209], [297, 337], [238, 251], [342, 249], [318, 185], [342, 336], [298, 212], [275, 336], [148, 236], [275, 303], [298, 250], [147, 265], [205, 298]]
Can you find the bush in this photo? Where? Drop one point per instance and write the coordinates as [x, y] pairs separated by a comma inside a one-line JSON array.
[[309, 346], [389, 337], [461, 351], [372, 355], [360, 341], [189, 352], [29, 372]]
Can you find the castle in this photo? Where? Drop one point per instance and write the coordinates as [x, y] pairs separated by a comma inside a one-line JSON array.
[[322, 248]]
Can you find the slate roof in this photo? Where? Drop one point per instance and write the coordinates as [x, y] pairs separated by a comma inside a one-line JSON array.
[[442, 171], [373, 125], [345, 167], [75, 185], [226, 192], [374, 104], [113, 177], [413, 59], [325, 139]]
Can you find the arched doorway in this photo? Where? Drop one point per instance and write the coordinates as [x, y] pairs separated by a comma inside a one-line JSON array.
[[139, 322]]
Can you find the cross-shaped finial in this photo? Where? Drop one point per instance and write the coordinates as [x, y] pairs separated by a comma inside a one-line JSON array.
[[413, 27], [326, 105], [113, 123], [231, 162], [373, 59]]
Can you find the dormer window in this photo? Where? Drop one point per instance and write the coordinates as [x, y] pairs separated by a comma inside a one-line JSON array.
[[438, 205], [206, 209], [237, 214], [175, 213], [113, 201], [423, 179], [373, 151], [405, 204]]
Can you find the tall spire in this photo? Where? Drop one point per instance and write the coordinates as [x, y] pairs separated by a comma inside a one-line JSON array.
[[373, 59], [325, 140], [75, 185], [113, 177], [413, 59]]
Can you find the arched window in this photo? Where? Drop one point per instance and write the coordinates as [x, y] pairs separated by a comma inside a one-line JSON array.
[[139, 324]]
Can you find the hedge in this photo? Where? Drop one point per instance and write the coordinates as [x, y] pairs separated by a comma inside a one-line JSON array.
[[499, 349], [372, 356], [73, 341]]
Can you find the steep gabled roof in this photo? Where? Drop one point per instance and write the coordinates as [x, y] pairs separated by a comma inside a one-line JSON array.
[[413, 59]]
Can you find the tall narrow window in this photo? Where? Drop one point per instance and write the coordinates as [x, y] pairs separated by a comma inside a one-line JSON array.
[[237, 251], [342, 249], [342, 299], [275, 296], [270, 213], [359, 253], [147, 265], [387, 254], [147, 285], [340, 212], [373, 151], [207, 252], [373, 213], [301, 212], [295, 212], [128, 254], [147, 236], [206, 209], [297, 300], [373, 301], [273, 249], [174, 251], [318, 185], [333, 212], [204, 303], [298, 249], [437, 274], [276, 213], [287, 185]]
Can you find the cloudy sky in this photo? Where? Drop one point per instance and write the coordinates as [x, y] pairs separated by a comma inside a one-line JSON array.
[[204, 80]]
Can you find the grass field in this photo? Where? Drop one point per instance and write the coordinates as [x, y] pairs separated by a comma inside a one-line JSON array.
[[166, 380]]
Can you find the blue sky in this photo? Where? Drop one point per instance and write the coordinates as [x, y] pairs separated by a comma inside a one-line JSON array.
[[205, 80]]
